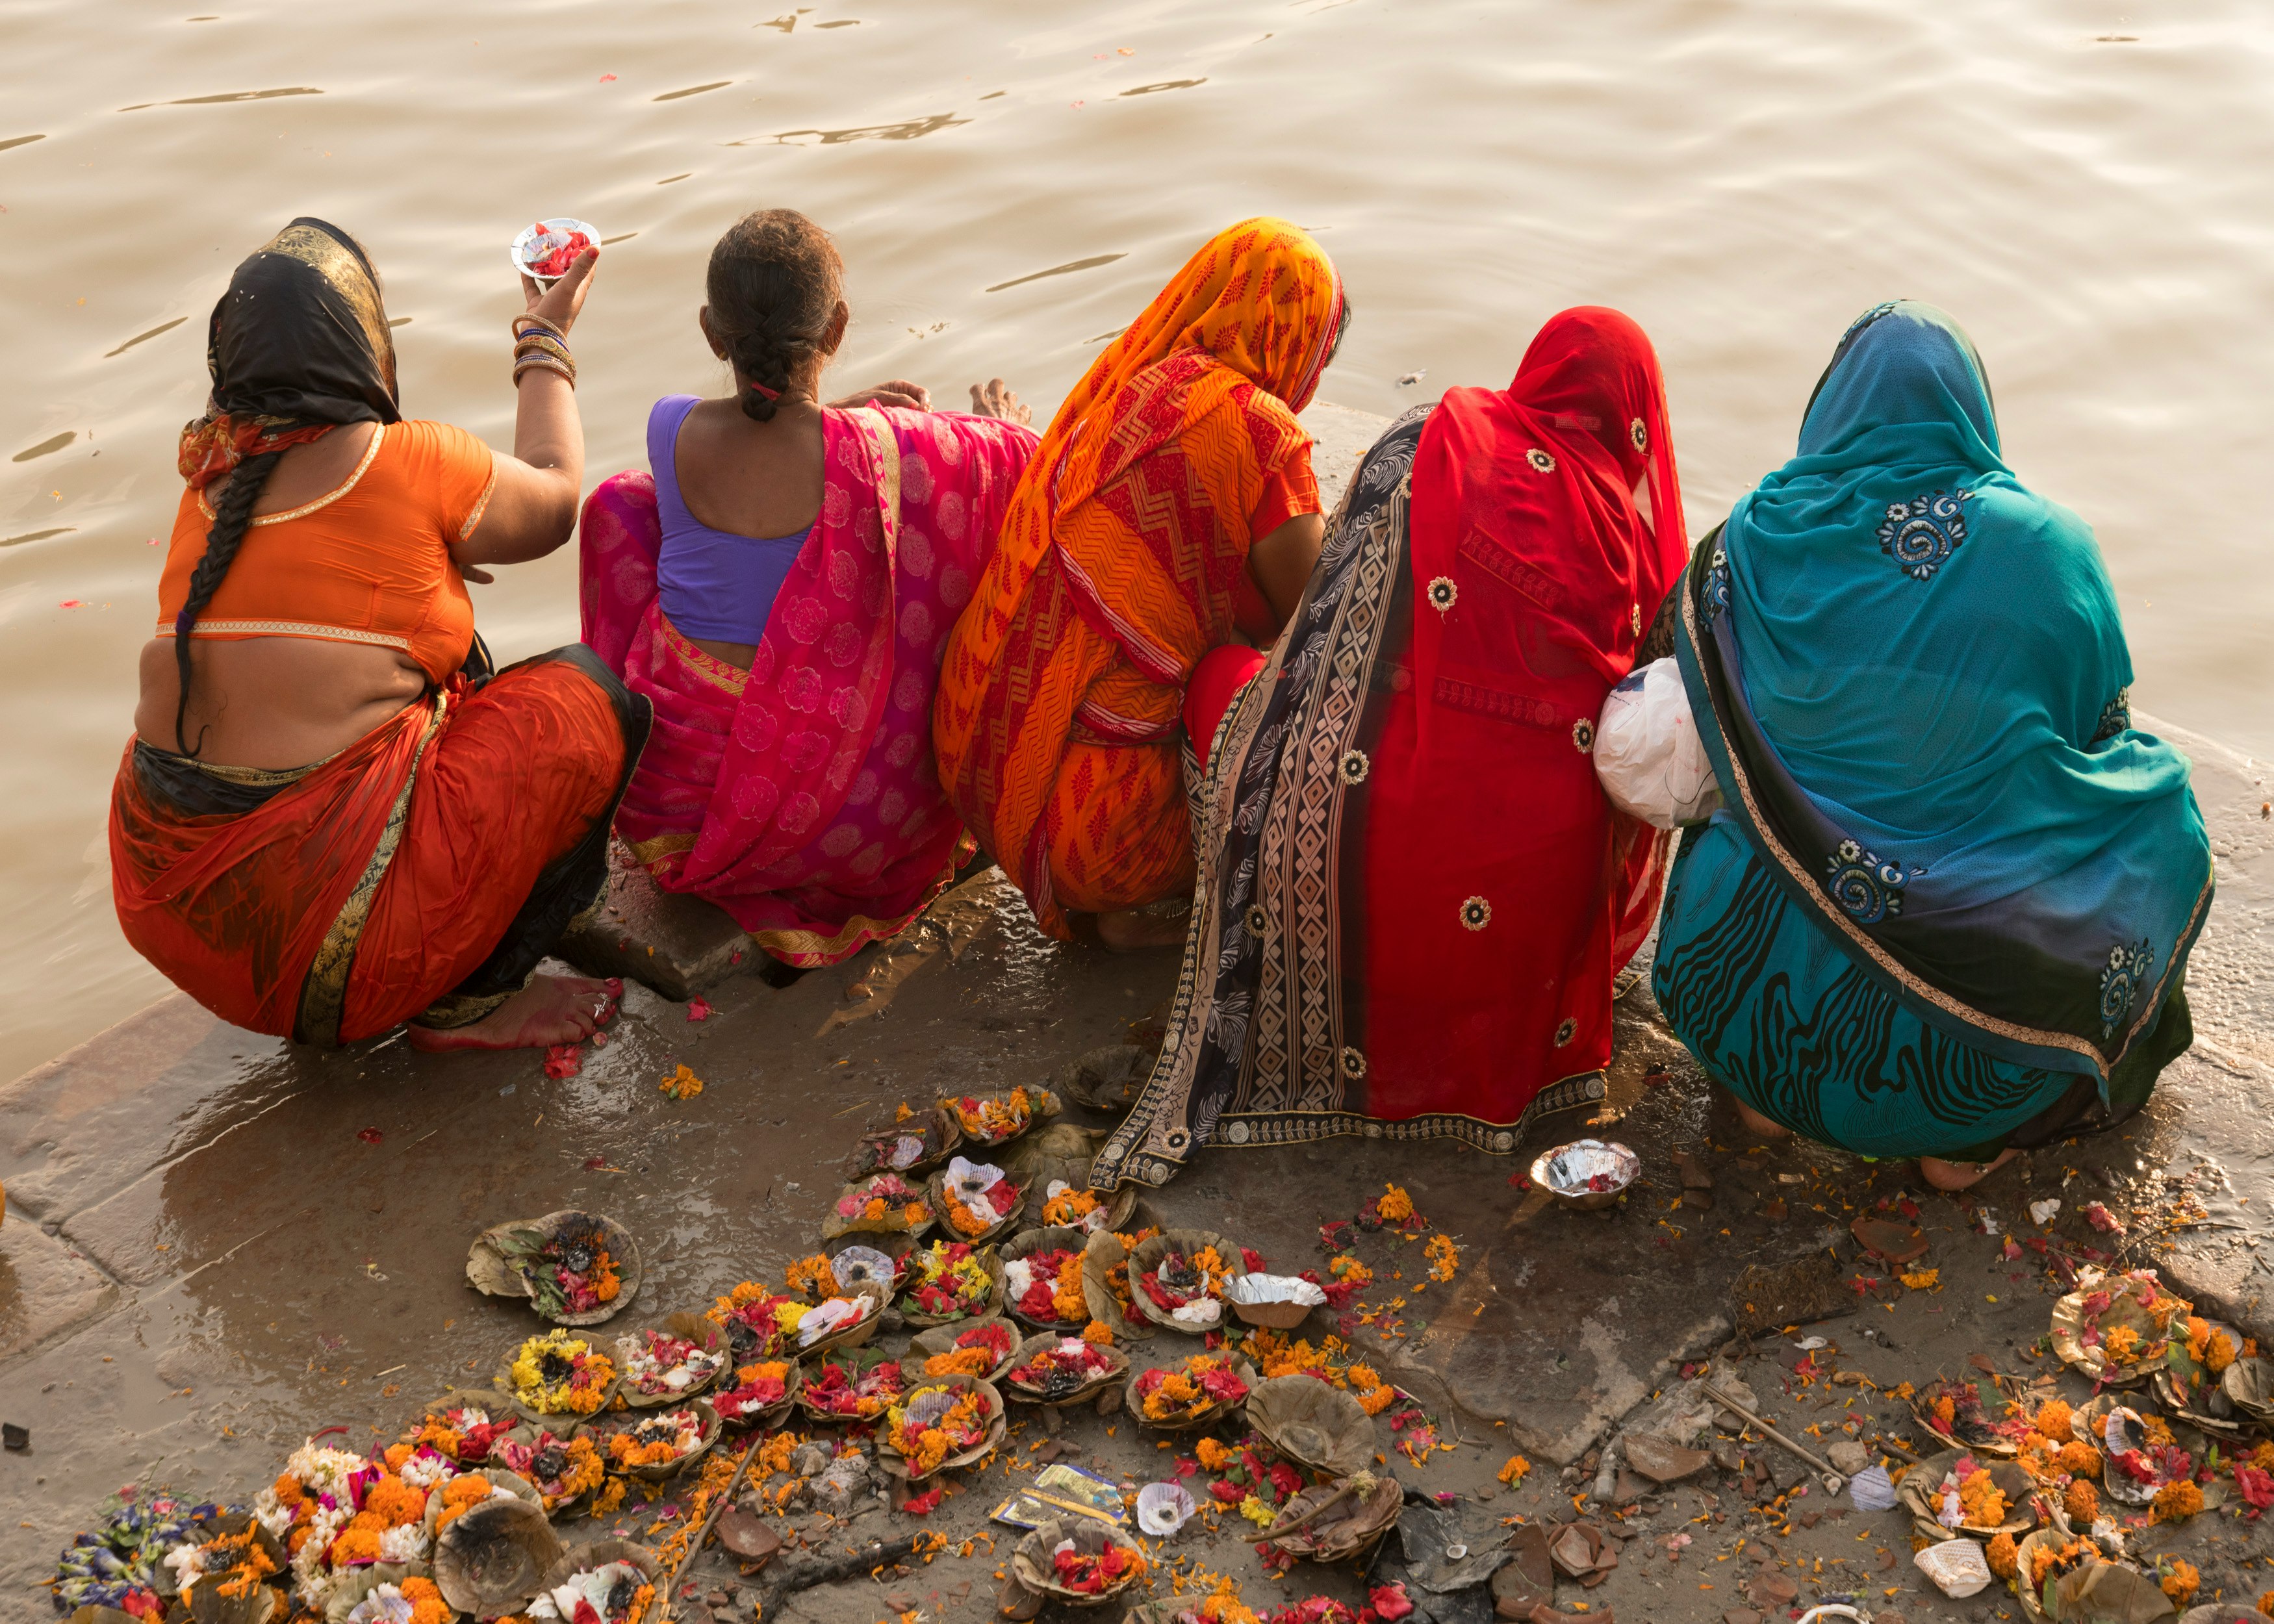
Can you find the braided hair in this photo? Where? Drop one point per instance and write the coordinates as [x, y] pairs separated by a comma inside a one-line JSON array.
[[232, 517], [774, 286]]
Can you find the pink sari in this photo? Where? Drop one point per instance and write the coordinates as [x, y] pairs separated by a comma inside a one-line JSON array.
[[802, 797]]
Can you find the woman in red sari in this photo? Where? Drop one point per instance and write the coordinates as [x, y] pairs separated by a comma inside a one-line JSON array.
[[1413, 895]]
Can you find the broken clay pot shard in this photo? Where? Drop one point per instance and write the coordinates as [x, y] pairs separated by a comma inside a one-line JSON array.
[[1662, 1460], [745, 1536], [1581, 1552]]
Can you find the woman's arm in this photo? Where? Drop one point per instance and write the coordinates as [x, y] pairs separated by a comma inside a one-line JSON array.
[[1280, 564], [532, 508]]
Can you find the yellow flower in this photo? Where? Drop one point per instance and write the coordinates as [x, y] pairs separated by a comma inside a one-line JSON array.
[[1444, 1257], [2182, 1581], [680, 1085], [1395, 1205], [1922, 1280], [2122, 1342], [1256, 1512], [1513, 1472], [1213, 1456]]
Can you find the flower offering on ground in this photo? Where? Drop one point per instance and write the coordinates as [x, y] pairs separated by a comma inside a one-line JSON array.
[[1188, 1286], [979, 1197], [887, 1201], [934, 1423], [1067, 1207], [976, 1351], [568, 1272], [992, 1120], [680, 1085], [656, 1440], [1093, 1574], [1046, 1286], [657, 1363], [561, 1373], [613, 1593], [811, 1277], [757, 1388], [1062, 1369], [462, 1432], [1202, 1383], [843, 1386], [562, 1469], [750, 1316], [412, 1601], [946, 1281]]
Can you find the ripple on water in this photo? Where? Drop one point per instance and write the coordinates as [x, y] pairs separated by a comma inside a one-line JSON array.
[[232, 96], [1090, 264], [46, 446], [906, 130], [144, 338]]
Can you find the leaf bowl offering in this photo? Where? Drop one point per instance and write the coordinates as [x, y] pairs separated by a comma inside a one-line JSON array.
[[657, 1444], [951, 1281], [1313, 1424], [1081, 1562], [610, 1581], [673, 1361], [1000, 1115], [2117, 1328], [921, 1142], [1044, 1283], [466, 1426], [489, 1561], [452, 1497], [1987, 1497], [564, 1468], [752, 1315], [877, 1261], [758, 1395], [1194, 1392], [558, 1374], [1340, 1519], [944, 1422], [852, 1385], [975, 1203], [1176, 1279], [982, 1348], [846, 1321], [1952, 1411], [1055, 1370], [574, 1267], [881, 1204], [1105, 1287]]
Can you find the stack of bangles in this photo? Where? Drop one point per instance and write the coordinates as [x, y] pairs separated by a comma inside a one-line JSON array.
[[537, 343]]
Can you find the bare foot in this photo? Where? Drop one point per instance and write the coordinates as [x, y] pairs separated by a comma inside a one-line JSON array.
[[1132, 931], [1756, 1124], [1960, 1174], [551, 1009]]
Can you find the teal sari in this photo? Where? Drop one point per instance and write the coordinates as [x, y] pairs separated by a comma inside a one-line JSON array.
[[1949, 902]]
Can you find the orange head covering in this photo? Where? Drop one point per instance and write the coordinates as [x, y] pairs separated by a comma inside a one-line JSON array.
[[1262, 298]]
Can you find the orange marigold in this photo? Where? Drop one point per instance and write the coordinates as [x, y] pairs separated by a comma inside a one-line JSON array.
[[2082, 1501], [1395, 1205], [2053, 1420], [2182, 1581], [1098, 1334], [962, 1362], [1982, 1500], [2079, 1460], [1213, 1456], [426, 1604], [2005, 1556], [395, 1501], [2175, 1502], [1946, 1411]]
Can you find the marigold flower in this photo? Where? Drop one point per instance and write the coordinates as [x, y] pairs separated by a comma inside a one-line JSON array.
[[2182, 1581], [1394, 1205], [2175, 1502], [1513, 1472], [2053, 1420], [1444, 1257], [426, 1604], [1213, 1456], [2082, 1501], [1098, 1331], [2005, 1557], [1982, 1500], [396, 1502], [2121, 1344], [2079, 1460]]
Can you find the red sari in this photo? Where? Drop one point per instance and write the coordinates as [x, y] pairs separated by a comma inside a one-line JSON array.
[[1413, 895]]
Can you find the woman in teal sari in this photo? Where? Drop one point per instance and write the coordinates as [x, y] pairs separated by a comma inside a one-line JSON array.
[[1945, 909]]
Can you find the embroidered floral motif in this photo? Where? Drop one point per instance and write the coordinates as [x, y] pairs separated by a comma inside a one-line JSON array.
[[2128, 969], [1475, 914], [1634, 618], [1640, 435], [1354, 767], [1540, 460], [1717, 582], [1921, 534], [2115, 716], [1569, 1030], [1256, 920], [1353, 1064], [1583, 735], [1869, 889], [1441, 593]]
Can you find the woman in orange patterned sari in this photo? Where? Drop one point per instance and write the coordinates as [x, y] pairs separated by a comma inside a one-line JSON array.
[[1170, 505]]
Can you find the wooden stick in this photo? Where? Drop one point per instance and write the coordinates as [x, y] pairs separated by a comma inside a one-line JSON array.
[[695, 1545], [1349, 1491], [1835, 1481]]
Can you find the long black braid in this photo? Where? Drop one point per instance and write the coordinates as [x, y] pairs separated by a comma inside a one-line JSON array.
[[232, 518], [774, 291]]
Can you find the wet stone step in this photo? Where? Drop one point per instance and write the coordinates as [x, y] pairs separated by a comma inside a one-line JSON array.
[[677, 945]]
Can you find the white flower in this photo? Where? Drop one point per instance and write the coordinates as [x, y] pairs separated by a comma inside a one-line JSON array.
[[188, 1565], [313, 1581], [1018, 1279], [834, 1315], [426, 1469], [409, 1543], [560, 1603], [1200, 1313], [385, 1604], [971, 1178]]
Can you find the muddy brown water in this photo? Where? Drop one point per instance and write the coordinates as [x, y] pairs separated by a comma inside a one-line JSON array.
[[2083, 181]]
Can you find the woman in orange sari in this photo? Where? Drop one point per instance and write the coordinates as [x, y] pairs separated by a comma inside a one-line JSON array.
[[1170, 505], [334, 818]]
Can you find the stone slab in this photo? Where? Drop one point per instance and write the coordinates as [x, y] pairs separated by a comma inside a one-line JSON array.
[[47, 1287], [678, 945]]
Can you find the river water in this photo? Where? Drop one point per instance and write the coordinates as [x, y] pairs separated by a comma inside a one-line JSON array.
[[2088, 187]]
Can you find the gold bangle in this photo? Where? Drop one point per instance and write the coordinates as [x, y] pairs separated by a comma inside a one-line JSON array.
[[529, 363], [537, 344], [531, 319]]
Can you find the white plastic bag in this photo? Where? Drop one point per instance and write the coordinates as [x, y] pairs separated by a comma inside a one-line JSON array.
[[1647, 753]]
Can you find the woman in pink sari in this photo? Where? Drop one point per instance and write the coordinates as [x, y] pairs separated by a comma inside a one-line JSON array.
[[781, 588]]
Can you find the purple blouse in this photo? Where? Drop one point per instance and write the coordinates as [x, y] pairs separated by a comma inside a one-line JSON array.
[[714, 584]]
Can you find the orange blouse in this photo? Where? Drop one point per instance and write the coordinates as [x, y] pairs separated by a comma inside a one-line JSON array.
[[368, 563]]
